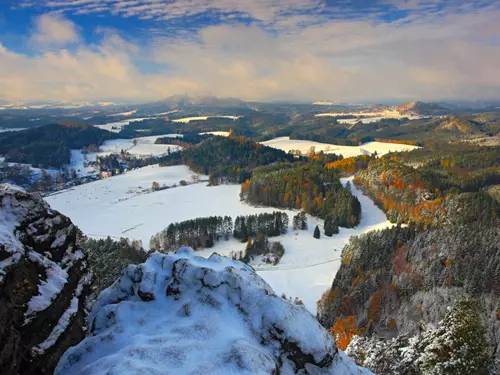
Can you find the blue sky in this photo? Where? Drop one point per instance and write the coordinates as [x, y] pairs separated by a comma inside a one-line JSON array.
[[139, 50]]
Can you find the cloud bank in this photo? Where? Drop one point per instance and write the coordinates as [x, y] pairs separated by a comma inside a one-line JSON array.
[[263, 49]]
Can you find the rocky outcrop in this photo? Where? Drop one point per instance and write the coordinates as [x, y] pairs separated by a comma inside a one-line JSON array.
[[43, 284], [184, 314]]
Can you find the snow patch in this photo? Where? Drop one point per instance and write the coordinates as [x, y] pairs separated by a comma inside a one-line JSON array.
[[49, 289], [185, 120], [130, 113], [64, 320]]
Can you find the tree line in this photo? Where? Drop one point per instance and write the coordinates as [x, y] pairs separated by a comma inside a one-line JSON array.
[[202, 233], [196, 233], [268, 224], [407, 194]]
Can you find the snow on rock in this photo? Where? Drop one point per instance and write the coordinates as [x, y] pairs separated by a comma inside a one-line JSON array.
[[185, 314], [64, 320], [43, 281], [49, 289]]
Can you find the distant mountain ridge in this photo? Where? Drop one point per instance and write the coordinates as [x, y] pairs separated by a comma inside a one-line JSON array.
[[180, 101]]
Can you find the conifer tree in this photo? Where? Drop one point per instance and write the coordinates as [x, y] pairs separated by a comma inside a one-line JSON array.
[[317, 233], [330, 226], [459, 345]]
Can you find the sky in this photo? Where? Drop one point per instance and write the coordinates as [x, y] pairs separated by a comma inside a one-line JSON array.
[[301, 50]]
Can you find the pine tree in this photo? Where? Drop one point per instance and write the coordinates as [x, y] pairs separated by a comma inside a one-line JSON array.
[[303, 220], [459, 345], [317, 233], [330, 226]]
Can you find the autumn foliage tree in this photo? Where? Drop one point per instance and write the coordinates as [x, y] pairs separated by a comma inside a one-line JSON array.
[[344, 330], [308, 187]]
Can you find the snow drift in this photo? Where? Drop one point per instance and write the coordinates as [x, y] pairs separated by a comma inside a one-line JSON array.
[[185, 314]]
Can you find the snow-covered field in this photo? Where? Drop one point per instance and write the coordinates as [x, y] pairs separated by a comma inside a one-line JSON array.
[[202, 118], [124, 206], [116, 127], [381, 114], [130, 113], [368, 120], [367, 117], [145, 146], [4, 130], [101, 195], [35, 173], [220, 133], [287, 144]]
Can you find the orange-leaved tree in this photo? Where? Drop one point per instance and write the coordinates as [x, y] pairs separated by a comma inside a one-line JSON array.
[[343, 331]]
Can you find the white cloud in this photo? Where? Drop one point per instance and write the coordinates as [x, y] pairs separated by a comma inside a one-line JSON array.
[[54, 30], [263, 10], [450, 55]]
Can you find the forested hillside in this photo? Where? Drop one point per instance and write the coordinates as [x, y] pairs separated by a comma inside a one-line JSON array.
[[393, 292], [49, 145], [422, 131], [399, 282], [443, 190], [227, 159]]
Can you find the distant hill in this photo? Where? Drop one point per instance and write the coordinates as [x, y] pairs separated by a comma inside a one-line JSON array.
[[457, 123], [50, 145], [423, 109]]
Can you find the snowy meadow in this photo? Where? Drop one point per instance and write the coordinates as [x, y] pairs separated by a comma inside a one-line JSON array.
[[125, 206]]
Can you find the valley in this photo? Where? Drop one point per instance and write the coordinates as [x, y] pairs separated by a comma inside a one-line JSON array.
[[305, 271]]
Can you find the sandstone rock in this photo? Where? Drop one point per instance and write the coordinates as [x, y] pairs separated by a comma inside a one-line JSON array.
[[43, 284]]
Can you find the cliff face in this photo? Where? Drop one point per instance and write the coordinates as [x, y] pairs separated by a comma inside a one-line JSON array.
[[184, 314], [43, 284]]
